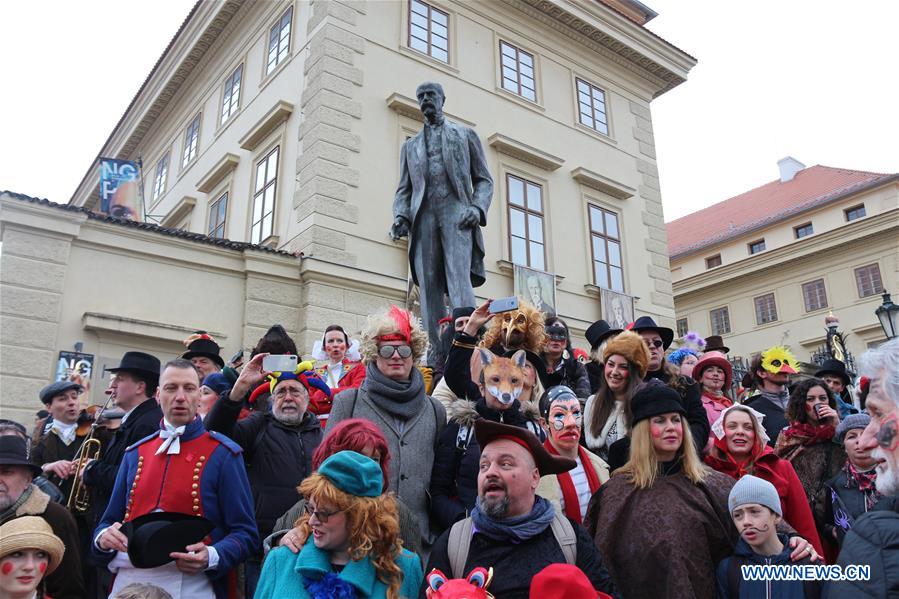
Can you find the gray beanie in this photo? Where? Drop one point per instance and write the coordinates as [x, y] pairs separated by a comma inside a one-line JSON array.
[[852, 421], [752, 489]]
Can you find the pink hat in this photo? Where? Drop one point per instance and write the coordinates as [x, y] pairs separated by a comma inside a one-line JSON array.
[[562, 581], [714, 358]]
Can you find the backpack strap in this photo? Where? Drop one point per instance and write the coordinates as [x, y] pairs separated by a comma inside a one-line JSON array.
[[457, 546], [565, 536]]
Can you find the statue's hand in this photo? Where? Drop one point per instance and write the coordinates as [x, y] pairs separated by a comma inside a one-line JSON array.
[[470, 218], [399, 229]]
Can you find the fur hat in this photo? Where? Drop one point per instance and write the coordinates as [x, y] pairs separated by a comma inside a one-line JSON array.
[[276, 341], [632, 347]]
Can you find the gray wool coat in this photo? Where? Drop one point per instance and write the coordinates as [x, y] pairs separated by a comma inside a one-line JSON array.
[[411, 452]]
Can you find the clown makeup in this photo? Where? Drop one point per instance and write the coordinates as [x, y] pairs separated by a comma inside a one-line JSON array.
[[21, 572], [564, 423], [888, 436], [667, 431]]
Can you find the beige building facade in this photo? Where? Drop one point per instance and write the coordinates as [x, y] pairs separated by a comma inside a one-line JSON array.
[[279, 124], [766, 267]]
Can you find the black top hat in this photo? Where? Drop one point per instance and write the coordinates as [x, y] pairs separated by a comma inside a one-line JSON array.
[[646, 323], [58, 388], [152, 537], [138, 362], [462, 311], [836, 367], [654, 398], [487, 431], [715, 343], [598, 331], [14, 452], [206, 348]]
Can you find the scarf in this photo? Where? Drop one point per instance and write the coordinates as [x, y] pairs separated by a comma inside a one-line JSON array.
[[329, 586], [730, 465], [65, 432], [171, 436], [778, 398], [10, 512], [864, 482], [514, 530], [798, 435], [569, 493], [397, 398]]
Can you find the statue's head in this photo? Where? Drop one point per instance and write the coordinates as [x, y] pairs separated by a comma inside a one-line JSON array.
[[430, 99]]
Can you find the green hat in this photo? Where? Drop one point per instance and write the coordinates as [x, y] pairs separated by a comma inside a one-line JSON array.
[[353, 473]]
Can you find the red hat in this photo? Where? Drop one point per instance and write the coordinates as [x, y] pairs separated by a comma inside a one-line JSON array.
[[714, 358], [562, 581]]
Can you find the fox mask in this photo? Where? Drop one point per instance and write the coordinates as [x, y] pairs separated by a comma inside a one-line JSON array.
[[503, 378]]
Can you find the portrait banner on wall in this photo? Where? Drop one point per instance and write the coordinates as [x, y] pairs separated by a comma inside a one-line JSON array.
[[536, 287], [617, 308], [120, 189]]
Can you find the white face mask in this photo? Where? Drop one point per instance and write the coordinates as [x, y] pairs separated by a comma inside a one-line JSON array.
[[502, 398]]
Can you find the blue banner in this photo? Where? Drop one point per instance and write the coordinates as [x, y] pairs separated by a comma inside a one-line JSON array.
[[120, 189]]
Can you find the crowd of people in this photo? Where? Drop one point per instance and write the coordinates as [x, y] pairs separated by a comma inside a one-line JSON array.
[[510, 464]]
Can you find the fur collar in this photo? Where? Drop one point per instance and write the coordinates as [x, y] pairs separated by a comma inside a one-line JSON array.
[[595, 442], [464, 412], [34, 505]]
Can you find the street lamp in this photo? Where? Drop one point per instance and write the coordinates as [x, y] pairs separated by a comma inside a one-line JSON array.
[[888, 315]]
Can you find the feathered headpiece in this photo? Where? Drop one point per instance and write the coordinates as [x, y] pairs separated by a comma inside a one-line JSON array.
[[197, 336], [403, 325], [678, 355], [692, 340], [303, 373], [778, 359]]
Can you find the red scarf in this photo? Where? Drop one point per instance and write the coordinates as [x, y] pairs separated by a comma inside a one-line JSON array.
[[798, 435], [730, 466], [569, 493], [863, 481]]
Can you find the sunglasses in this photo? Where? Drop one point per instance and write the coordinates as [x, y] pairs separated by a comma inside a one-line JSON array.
[[320, 515], [656, 343], [387, 351]]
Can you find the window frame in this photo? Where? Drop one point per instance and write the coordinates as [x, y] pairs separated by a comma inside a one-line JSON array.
[[224, 195], [770, 308], [798, 228], [607, 239], [852, 209], [163, 163], [578, 104], [429, 43], [187, 157], [709, 259], [527, 212], [682, 330], [858, 284], [725, 310], [753, 250], [258, 194], [233, 108], [804, 286], [279, 24], [502, 78]]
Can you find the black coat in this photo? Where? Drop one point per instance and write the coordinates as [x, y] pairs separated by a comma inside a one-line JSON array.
[[454, 479], [100, 477], [851, 501], [594, 375], [572, 375], [515, 566], [874, 541], [278, 456], [775, 416]]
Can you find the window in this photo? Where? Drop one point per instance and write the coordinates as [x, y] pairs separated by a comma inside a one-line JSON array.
[[218, 211], [855, 212], [681, 327], [518, 71], [526, 222], [803, 230], [429, 30], [765, 308], [814, 295], [591, 102], [191, 141], [279, 41], [264, 197], [231, 94], [605, 239], [162, 173], [713, 261], [868, 281], [757, 246], [720, 321]]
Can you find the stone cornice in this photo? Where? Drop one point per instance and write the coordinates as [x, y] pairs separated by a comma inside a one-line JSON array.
[[522, 151], [276, 115], [626, 43], [602, 183], [113, 323]]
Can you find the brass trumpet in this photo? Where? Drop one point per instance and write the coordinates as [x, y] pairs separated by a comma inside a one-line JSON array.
[[79, 497]]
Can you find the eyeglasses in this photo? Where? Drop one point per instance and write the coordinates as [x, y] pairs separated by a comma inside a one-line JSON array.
[[387, 351], [656, 343], [320, 515], [293, 392]]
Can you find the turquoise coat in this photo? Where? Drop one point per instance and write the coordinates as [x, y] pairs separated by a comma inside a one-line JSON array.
[[283, 572]]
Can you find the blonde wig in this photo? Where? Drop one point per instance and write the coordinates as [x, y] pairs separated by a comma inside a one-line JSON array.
[[372, 525], [643, 465], [382, 324]]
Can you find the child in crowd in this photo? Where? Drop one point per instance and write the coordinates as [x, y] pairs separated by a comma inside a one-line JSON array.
[[755, 508]]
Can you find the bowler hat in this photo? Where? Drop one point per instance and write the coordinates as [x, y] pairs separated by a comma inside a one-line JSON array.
[[834, 367], [646, 323], [14, 452], [58, 388], [462, 311], [715, 343], [598, 331], [654, 398], [152, 537], [204, 348], [138, 362], [487, 431]]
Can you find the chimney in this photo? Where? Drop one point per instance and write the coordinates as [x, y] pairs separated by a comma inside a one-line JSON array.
[[789, 166]]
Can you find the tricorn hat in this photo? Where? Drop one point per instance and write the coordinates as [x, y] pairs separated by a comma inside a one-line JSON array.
[[598, 331], [487, 431], [834, 367], [715, 343], [646, 323], [152, 537], [138, 362]]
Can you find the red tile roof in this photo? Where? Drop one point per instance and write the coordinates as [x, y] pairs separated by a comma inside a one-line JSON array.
[[762, 206]]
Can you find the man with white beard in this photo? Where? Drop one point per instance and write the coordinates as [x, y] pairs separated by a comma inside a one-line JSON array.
[[872, 540]]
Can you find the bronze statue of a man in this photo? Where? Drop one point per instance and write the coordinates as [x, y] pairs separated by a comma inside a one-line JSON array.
[[441, 202]]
